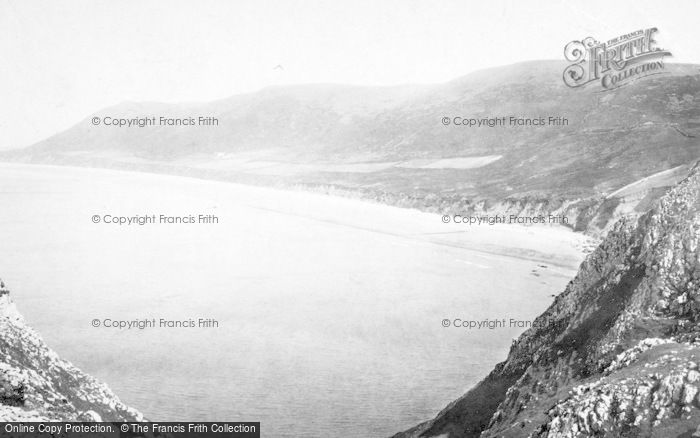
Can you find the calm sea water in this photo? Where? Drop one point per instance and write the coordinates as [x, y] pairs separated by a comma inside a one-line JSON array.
[[329, 310]]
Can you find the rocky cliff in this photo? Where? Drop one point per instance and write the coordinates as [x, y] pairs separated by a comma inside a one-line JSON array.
[[616, 354], [36, 385]]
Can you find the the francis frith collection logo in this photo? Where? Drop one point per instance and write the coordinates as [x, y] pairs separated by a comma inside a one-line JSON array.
[[616, 62]]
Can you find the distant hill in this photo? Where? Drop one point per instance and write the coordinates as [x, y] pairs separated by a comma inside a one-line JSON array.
[[616, 354], [390, 144]]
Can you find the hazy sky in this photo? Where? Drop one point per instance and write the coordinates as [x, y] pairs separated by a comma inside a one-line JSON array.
[[62, 60]]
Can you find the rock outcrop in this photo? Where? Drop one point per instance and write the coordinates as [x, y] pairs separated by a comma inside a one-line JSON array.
[[36, 385], [616, 354]]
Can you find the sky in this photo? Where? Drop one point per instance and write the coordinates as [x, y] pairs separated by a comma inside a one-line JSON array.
[[60, 61]]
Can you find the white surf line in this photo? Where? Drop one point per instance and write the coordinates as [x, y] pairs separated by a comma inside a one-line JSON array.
[[411, 237], [473, 264]]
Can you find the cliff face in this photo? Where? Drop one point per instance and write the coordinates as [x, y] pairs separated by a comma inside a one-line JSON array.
[[617, 352], [36, 385]]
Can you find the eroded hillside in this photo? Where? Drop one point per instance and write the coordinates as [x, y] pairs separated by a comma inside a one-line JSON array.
[[36, 385], [617, 352]]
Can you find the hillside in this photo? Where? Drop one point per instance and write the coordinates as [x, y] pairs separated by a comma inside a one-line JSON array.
[[616, 354], [36, 385], [389, 144]]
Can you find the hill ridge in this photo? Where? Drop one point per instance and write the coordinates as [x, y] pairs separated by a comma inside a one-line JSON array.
[[404, 146]]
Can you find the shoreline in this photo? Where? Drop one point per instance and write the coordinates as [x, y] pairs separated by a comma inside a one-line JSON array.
[[523, 253], [310, 293]]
